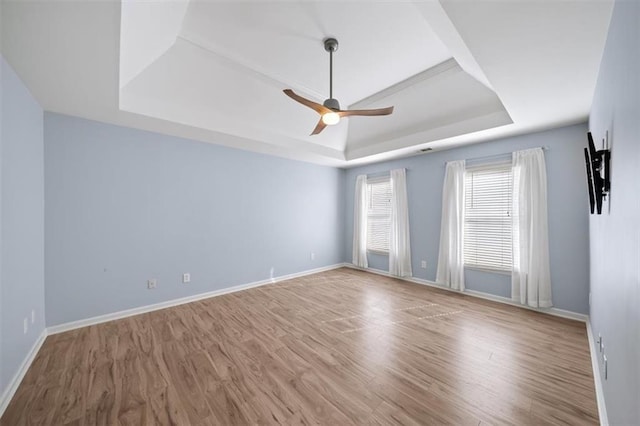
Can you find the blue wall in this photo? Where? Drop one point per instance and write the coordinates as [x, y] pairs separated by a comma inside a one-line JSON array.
[[22, 223], [124, 206], [568, 218], [615, 235]]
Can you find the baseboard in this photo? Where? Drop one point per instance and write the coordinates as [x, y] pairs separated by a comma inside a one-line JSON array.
[[595, 365], [17, 378], [175, 302], [549, 311]]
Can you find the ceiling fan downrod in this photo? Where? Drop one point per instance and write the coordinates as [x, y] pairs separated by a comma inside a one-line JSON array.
[[331, 45]]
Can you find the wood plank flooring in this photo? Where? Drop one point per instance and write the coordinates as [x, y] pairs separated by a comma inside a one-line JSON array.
[[340, 347]]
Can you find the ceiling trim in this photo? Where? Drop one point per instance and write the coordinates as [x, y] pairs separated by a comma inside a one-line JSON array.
[[435, 15], [426, 127], [248, 67], [419, 139], [157, 109], [443, 69], [152, 43]]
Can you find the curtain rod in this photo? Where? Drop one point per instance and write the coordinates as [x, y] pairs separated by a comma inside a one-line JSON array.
[[487, 157], [384, 172]]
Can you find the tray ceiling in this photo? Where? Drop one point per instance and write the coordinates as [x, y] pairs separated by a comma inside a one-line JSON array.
[[456, 72]]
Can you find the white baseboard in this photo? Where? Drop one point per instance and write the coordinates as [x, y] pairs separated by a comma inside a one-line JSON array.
[[17, 378], [175, 302], [550, 311], [595, 365]]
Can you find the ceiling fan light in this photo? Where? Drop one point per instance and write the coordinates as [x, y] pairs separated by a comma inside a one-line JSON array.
[[331, 118]]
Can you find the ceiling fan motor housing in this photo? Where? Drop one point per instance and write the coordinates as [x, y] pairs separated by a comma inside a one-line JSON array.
[[332, 103]]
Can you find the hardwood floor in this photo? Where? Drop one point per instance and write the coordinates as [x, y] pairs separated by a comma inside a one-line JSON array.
[[340, 347]]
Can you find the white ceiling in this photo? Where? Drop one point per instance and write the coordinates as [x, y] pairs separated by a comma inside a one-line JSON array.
[[456, 72]]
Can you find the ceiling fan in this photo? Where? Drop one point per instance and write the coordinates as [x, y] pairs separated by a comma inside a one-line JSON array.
[[330, 112]]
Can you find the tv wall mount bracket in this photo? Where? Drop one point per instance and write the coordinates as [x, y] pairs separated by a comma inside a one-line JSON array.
[[597, 164]]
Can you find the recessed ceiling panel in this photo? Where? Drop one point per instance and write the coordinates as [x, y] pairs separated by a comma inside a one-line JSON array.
[[230, 61], [381, 43], [190, 86], [443, 96], [214, 70], [542, 57], [147, 30]]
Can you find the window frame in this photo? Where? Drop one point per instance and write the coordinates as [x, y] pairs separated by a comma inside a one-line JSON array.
[[504, 165], [374, 181]]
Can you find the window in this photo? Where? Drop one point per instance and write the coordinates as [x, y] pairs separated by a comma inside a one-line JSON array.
[[487, 222], [378, 214]]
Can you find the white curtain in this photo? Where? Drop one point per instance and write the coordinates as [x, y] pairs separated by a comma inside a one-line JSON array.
[[530, 279], [451, 255], [399, 242], [360, 223]]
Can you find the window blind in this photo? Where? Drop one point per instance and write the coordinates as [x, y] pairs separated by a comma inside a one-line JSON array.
[[378, 215], [487, 233]]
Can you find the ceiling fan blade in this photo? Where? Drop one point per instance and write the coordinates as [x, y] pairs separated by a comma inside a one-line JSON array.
[[319, 108], [319, 127], [370, 112]]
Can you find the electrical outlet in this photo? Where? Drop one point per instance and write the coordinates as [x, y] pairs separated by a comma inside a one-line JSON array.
[[33, 316], [152, 283], [423, 264], [26, 325], [186, 277], [313, 256]]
